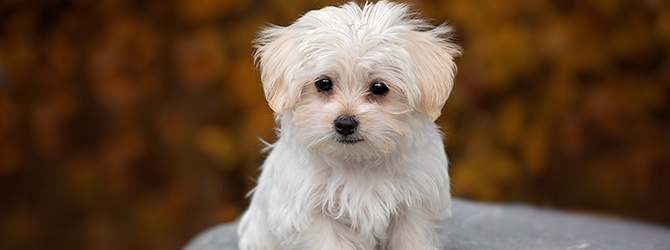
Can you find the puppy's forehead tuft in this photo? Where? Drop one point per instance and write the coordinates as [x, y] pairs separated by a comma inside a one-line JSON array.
[[377, 18]]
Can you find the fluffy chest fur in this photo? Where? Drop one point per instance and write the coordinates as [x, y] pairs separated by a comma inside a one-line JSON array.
[[364, 196]]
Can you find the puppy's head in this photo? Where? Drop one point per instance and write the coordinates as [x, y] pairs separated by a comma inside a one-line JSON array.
[[351, 81]]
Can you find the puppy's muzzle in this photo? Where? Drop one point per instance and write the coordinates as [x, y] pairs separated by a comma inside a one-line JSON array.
[[346, 125]]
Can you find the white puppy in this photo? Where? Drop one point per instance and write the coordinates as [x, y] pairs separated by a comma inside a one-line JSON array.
[[359, 163]]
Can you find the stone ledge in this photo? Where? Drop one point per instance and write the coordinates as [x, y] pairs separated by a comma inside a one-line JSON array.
[[481, 226]]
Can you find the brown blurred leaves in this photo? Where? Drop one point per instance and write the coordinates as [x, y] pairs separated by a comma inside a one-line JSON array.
[[562, 103], [134, 124], [125, 125]]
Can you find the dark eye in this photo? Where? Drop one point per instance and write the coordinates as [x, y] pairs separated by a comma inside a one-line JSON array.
[[379, 88], [324, 85]]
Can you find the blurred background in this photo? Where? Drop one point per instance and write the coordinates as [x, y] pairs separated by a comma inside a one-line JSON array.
[[135, 124]]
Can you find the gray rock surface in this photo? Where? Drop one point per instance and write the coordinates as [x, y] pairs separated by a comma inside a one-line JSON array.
[[481, 226]]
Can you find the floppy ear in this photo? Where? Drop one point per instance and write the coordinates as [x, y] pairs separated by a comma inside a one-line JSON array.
[[433, 67], [274, 57]]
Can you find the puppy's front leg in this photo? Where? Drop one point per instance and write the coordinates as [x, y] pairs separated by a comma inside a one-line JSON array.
[[254, 233], [328, 234], [414, 229]]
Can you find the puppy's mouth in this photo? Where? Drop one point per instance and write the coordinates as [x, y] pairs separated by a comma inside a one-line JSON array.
[[349, 140]]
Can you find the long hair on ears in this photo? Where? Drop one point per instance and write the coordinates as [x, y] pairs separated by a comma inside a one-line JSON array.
[[433, 66], [274, 59]]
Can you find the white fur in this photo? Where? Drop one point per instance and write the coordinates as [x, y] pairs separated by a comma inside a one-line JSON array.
[[387, 191]]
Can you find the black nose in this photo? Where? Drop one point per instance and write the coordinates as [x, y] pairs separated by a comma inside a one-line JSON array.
[[346, 125]]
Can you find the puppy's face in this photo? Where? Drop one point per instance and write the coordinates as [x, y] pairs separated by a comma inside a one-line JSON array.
[[351, 81]]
